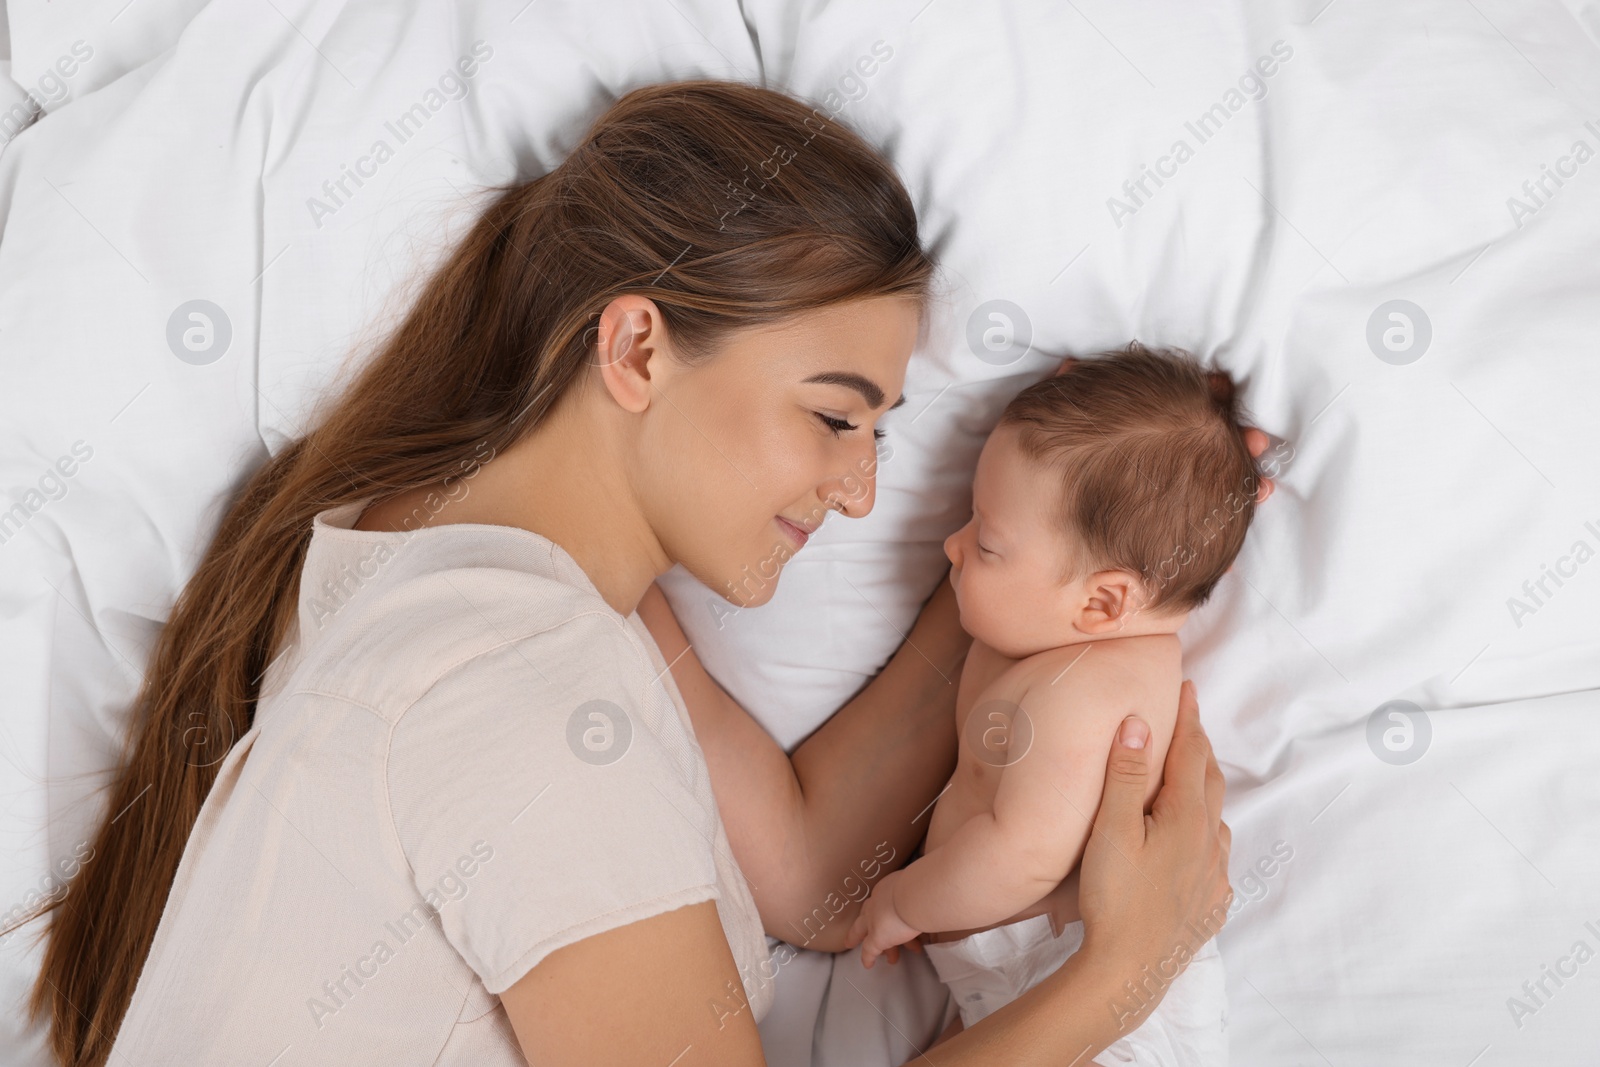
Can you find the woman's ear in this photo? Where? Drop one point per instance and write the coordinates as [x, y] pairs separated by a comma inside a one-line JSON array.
[[628, 337], [1113, 600]]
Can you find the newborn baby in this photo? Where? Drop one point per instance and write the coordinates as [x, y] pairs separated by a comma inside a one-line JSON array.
[[1107, 503]]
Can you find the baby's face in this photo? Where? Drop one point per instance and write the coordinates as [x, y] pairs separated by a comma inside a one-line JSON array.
[[1006, 562]]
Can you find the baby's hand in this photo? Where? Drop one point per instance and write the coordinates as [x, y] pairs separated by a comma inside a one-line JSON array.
[[879, 930]]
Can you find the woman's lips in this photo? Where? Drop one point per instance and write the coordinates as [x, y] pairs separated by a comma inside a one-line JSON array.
[[800, 536]]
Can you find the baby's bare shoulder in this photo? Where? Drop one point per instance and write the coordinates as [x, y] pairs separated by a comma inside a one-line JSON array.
[[1103, 679]]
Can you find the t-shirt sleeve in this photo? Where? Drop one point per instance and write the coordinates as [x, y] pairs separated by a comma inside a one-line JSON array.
[[540, 796]]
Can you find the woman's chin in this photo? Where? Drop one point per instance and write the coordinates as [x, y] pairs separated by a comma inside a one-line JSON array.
[[743, 597], [743, 587]]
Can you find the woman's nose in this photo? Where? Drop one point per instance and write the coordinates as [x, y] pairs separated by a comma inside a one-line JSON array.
[[852, 493]]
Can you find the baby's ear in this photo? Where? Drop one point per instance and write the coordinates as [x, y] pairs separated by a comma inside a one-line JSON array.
[[1114, 599], [1066, 365]]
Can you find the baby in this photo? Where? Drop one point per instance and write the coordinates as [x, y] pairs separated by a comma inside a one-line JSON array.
[[1106, 505]]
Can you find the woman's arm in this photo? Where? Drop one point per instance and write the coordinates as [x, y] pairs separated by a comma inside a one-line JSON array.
[[811, 832], [664, 990], [657, 991]]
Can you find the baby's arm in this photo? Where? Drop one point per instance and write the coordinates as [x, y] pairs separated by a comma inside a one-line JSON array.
[[997, 864]]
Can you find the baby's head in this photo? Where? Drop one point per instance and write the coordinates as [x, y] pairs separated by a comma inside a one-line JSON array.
[[1107, 503]]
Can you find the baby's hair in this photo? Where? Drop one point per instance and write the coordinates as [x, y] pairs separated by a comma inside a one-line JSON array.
[[1154, 472]]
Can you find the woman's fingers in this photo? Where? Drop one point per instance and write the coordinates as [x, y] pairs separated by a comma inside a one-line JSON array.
[[1216, 785], [1121, 815], [1213, 783], [1188, 782], [1226, 836], [1114, 889], [1198, 753], [1149, 882], [1258, 443]]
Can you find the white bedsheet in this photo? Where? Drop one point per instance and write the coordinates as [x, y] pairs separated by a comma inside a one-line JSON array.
[[1385, 159]]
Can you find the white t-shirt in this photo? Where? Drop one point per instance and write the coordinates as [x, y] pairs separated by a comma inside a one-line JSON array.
[[464, 760]]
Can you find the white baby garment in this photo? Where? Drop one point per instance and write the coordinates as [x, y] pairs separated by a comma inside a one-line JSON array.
[[991, 968]]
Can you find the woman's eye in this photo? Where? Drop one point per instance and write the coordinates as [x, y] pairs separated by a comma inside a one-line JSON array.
[[838, 426]]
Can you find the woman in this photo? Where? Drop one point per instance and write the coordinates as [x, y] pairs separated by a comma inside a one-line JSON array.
[[434, 795]]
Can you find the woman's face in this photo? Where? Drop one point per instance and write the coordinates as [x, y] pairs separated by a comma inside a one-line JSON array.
[[751, 448]]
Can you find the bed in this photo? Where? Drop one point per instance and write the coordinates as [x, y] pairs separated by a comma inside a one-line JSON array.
[[1382, 218]]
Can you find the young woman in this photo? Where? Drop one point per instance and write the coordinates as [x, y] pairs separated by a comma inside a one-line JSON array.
[[409, 782]]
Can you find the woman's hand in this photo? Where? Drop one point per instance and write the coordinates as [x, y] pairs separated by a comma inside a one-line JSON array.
[[1255, 440], [1258, 442], [1154, 888], [879, 929]]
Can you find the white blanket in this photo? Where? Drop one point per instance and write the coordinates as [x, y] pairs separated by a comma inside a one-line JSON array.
[[1256, 180]]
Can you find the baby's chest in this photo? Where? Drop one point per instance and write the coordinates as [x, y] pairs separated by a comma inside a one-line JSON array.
[[981, 681]]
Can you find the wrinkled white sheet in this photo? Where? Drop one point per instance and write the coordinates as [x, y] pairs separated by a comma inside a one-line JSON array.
[[1384, 158]]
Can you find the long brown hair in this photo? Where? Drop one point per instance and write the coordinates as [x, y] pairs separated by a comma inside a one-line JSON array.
[[728, 205]]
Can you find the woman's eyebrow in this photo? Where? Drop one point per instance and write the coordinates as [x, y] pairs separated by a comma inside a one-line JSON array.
[[870, 390]]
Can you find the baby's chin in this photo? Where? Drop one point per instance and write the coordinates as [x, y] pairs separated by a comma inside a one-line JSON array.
[[995, 637], [1007, 641]]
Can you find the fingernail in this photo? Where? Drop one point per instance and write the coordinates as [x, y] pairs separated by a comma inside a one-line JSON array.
[[1134, 732]]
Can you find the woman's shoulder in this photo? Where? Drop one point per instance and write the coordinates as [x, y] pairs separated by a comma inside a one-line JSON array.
[[394, 640]]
